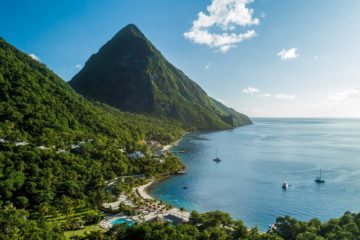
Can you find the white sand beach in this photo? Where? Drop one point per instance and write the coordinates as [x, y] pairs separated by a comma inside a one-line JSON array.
[[141, 191], [169, 146]]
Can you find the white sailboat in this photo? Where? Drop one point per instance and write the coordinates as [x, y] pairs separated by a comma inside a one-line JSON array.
[[320, 179], [217, 159]]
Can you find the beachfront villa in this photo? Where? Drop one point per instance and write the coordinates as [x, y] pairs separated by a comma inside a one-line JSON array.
[[173, 219]]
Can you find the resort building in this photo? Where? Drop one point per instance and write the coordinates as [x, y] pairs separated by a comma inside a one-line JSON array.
[[174, 220]]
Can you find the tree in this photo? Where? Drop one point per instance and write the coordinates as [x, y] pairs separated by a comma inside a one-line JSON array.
[[285, 227], [21, 201], [14, 224], [66, 205], [240, 230], [308, 236]]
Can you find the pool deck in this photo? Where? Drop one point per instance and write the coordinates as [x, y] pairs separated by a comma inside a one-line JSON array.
[[107, 222]]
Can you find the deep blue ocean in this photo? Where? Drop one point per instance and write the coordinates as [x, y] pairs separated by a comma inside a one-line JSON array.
[[256, 159]]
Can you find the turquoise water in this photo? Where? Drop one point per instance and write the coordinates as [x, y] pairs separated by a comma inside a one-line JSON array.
[[256, 160], [122, 220]]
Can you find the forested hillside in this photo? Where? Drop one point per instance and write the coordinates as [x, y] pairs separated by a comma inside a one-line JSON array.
[[55, 145]]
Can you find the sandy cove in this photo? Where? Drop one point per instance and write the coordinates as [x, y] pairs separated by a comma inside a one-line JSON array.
[[142, 192], [156, 210]]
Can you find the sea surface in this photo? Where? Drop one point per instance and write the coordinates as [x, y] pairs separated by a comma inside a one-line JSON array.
[[256, 159]]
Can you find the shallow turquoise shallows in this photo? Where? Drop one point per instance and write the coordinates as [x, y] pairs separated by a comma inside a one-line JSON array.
[[257, 159], [122, 220]]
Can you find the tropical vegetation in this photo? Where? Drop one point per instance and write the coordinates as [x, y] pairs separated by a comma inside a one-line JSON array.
[[55, 146]]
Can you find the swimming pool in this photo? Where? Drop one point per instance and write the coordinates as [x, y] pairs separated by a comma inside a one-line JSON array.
[[122, 220]]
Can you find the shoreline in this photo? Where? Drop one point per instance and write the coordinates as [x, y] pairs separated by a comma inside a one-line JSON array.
[[174, 144], [143, 190]]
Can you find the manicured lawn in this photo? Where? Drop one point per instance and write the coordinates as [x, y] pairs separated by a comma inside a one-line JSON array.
[[81, 232], [79, 212]]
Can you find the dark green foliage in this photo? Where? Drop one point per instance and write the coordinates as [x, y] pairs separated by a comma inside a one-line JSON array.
[[15, 224], [56, 145], [92, 218], [346, 227], [129, 73], [219, 226]]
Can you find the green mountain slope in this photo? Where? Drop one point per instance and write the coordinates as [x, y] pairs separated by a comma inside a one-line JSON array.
[[54, 144], [129, 73]]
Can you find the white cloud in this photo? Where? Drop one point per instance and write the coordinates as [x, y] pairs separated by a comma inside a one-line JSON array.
[[33, 56], [346, 96], [285, 96], [224, 16], [316, 57], [78, 66], [258, 93], [250, 90], [288, 54]]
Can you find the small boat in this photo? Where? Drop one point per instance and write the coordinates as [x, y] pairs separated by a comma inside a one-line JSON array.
[[285, 186], [181, 172], [184, 188], [319, 179], [217, 159]]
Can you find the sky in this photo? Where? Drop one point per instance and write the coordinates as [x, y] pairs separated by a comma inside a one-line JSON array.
[[265, 58]]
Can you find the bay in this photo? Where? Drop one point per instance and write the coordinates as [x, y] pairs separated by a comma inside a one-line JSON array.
[[256, 159]]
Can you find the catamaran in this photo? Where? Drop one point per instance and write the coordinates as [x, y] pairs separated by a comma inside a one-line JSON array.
[[320, 179], [285, 186]]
